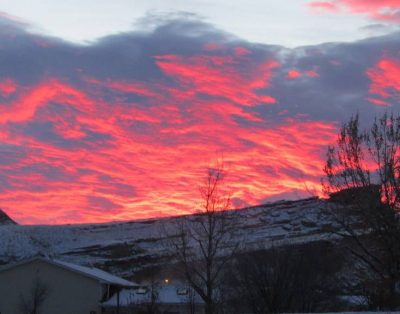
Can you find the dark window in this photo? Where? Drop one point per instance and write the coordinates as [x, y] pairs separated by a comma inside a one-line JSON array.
[[182, 291]]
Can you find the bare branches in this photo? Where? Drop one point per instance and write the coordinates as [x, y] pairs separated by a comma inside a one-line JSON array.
[[285, 279], [363, 180], [203, 242]]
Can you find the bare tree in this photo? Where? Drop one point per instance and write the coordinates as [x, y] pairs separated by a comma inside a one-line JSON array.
[[152, 306], [146, 299], [204, 243], [33, 303], [363, 180], [285, 279], [191, 301]]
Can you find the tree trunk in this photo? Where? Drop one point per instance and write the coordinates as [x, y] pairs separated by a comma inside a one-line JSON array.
[[209, 308], [392, 296]]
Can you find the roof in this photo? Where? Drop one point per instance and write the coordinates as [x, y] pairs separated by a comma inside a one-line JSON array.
[[96, 273], [91, 272], [167, 294]]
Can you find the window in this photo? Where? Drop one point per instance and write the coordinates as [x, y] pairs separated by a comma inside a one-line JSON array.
[[141, 290], [182, 291]]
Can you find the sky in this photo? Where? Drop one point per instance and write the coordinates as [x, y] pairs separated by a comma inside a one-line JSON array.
[[114, 110], [260, 21]]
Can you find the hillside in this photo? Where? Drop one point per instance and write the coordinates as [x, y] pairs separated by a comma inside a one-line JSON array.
[[126, 247], [5, 219]]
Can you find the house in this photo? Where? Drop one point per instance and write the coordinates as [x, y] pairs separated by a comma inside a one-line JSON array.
[[56, 287], [163, 298]]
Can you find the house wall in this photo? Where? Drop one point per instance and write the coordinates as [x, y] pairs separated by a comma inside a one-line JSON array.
[[68, 292]]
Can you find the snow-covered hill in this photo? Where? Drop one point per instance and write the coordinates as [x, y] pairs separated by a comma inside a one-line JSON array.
[[127, 246]]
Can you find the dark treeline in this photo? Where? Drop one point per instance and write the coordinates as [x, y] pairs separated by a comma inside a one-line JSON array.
[[294, 278]]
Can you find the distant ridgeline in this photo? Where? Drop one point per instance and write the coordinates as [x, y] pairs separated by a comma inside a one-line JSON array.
[[5, 219], [365, 196]]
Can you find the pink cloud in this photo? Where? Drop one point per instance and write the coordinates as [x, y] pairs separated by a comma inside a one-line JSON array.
[[293, 74], [385, 80], [240, 51], [311, 73], [324, 6], [7, 87], [384, 10], [378, 102], [219, 77], [153, 156]]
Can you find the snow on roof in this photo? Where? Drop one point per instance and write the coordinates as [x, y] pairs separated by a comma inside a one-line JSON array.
[[167, 294], [91, 272], [354, 299], [96, 273]]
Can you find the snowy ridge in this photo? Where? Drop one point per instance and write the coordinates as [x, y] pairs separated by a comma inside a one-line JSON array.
[[125, 246]]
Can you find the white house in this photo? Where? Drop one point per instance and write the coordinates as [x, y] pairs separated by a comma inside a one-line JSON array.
[[167, 298], [56, 287]]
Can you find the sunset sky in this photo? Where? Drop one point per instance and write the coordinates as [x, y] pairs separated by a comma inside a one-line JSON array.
[[113, 110]]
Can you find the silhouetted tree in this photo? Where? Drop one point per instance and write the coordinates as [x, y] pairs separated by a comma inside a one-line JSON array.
[[146, 299], [204, 243], [152, 305], [363, 180], [191, 301], [285, 279]]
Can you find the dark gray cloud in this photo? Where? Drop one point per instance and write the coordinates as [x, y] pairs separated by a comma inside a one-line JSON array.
[[341, 86]]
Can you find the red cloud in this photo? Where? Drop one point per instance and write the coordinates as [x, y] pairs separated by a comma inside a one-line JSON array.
[[7, 87], [240, 51], [378, 102], [219, 76], [107, 156], [26, 105], [385, 80], [312, 73], [293, 74], [386, 10]]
